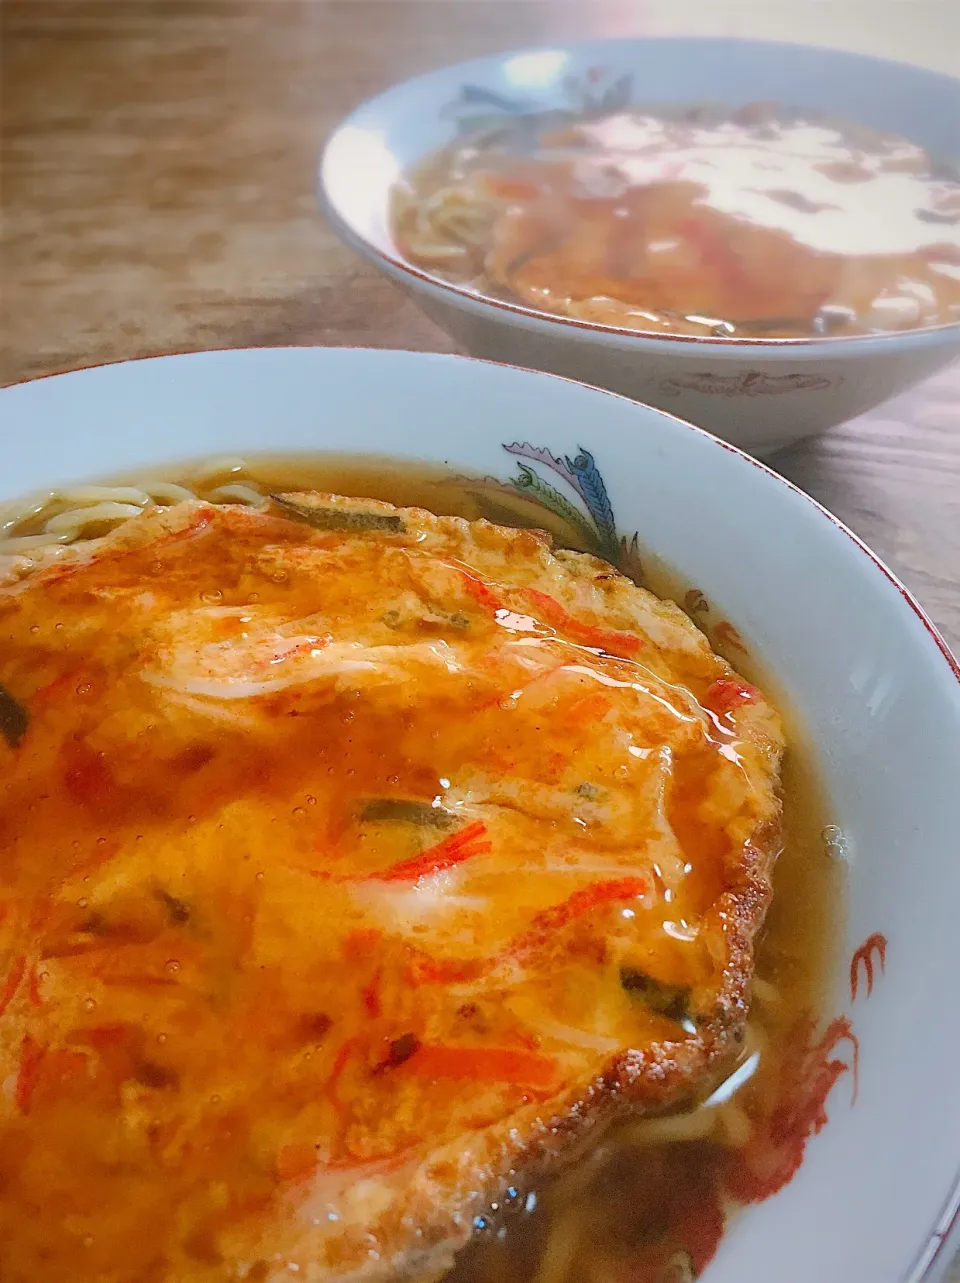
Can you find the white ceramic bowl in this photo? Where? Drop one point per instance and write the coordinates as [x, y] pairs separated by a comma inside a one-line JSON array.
[[879, 1192], [760, 394]]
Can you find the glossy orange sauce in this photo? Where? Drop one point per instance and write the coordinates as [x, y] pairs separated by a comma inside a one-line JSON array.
[[752, 223], [173, 1014]]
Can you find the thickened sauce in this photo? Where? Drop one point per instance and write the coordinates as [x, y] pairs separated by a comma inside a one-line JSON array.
[[757, 223], [265, 790]]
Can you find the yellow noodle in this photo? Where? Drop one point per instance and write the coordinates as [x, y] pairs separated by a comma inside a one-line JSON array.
[[697, 1124], [82, 495], [434, 252], [764, 991], [734, 1127], [560, 1253], [25, 543], [237, 494], [679, 1269], [33, 526], [77, 518], [449, 224], [16, 511], [214, 468], [166, 492]]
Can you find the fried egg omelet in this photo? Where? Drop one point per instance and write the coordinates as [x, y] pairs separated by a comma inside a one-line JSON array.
[[355, 864]]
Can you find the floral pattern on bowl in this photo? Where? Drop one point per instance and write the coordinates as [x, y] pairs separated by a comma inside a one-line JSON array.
[[779, 1134], [489, 114]]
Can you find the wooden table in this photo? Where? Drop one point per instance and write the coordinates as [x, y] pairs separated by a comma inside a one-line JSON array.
[[158, 174], [158, 196]]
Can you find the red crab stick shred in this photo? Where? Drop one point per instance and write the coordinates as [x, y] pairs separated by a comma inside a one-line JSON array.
[[12, 982], [728, 693], [452, 850], [556, 616], [559, 915], [481, 593], [445, 854], [510, 1065], [31, 1060], [426, 970], [552, 613]]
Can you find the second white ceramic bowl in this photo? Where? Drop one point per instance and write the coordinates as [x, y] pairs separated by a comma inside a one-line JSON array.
[[877, 1199], [761, 394]]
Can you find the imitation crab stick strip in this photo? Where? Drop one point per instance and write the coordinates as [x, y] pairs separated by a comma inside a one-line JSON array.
[[556, 616], [516, 1065], [487, 1065], [12, 982], [728, 693], [552, 613], [369, 1166], [445, 854], [426, 970], [575, 906], [452, 850], [75, 683], [371, 994], [31, 1058], [341, 1061], [33, 987], [589, 709], [481, 593], [305, 647], [55, 1066]]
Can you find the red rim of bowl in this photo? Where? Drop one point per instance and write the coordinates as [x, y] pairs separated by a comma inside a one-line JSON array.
[[931, 1253]]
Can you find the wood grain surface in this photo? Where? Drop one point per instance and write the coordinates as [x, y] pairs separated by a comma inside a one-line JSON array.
[[157, 184]]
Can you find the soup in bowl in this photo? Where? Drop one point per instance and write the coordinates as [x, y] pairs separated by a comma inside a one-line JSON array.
[[434, 858], [752, 223], [763, 238]]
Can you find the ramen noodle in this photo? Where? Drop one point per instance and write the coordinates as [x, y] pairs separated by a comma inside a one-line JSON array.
[[758, 223]]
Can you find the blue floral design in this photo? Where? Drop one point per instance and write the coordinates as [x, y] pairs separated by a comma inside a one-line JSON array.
[[486, 111], [588, 512]]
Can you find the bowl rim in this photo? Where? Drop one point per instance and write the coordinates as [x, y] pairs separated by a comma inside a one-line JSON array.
[[360, 241], [942, 1236], [909, 599]]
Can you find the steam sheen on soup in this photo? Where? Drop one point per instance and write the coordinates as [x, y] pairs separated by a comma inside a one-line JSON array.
[[757, 223]]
